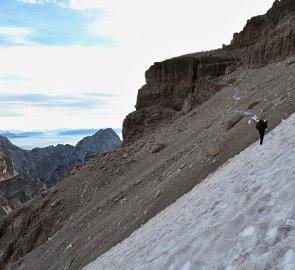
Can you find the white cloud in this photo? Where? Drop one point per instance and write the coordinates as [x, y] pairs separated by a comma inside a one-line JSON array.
[[88, 4], [70, 71], [37, 1], [171, 27], [16, 35], [59, 3], [15, 31]]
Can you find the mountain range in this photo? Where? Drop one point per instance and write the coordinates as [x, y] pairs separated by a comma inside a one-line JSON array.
[[61, 132], [50, 163]]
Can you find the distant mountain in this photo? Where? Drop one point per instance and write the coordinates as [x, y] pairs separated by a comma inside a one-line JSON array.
[[78, 132], [49, 163], [101, 141], [9, 134]]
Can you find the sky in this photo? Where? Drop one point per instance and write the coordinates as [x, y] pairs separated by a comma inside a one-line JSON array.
[[242, 216], [80, 63]]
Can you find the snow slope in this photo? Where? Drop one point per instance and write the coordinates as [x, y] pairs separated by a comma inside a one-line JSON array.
[[240, 217]]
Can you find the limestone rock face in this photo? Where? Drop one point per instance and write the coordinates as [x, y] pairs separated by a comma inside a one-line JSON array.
[[50, 163], [268, 38], [6, 167], [169, 83]]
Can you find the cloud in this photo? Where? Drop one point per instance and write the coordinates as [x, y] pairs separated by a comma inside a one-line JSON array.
[[87, 4], [33, 2], [98, 95], [15, 35], [50, 103], [10, 77], [10, 114]]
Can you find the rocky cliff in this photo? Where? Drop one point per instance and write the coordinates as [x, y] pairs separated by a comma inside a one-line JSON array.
[[267, 38], [50, 163], [18, 190], [6, 167], [176, 85]]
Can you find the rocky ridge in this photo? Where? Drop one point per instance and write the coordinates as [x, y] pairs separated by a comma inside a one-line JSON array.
[[103, 201], [50, 163]]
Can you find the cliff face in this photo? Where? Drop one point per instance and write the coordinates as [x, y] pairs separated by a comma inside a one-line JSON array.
[[268, 38], [15, 190], [181, 83], [50, 163], [6, 167], [168, 86]]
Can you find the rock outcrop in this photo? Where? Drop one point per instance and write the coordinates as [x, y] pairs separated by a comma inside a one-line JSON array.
[[6, 167], [50, 163], [180, 83], [18, 190]]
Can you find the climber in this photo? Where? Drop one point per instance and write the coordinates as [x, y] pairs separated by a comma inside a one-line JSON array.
[[261, 126]]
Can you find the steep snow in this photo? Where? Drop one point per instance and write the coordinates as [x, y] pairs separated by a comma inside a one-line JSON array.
[[240, 217]]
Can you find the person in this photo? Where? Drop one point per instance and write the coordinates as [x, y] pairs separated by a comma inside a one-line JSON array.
[[261, 126]]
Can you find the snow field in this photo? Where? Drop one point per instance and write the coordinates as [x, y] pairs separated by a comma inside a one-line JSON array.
[[240, 217]]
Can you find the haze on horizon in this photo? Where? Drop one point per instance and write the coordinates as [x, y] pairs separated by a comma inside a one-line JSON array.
[[79, 63]]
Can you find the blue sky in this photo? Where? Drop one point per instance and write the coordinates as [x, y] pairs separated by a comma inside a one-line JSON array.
[[49, 23], [80, 63]]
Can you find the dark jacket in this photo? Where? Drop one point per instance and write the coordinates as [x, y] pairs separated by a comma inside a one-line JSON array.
[[261, 127]]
